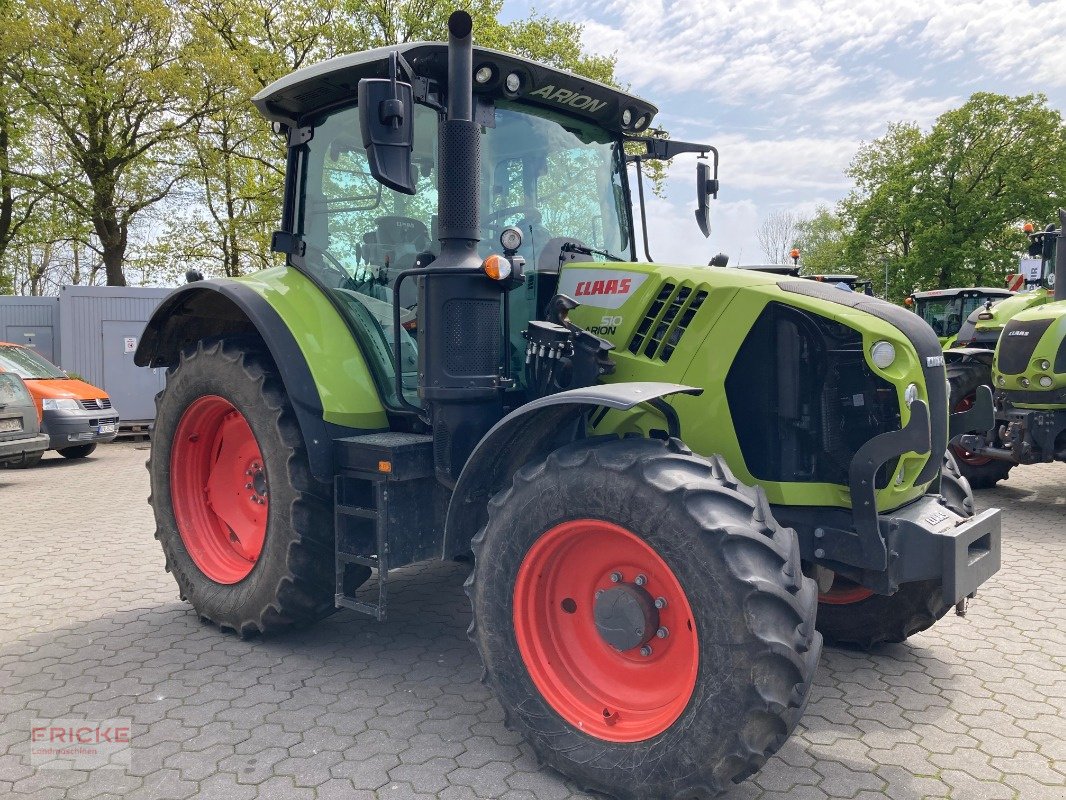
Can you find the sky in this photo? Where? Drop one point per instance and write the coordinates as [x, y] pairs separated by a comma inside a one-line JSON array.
[[787, 91]]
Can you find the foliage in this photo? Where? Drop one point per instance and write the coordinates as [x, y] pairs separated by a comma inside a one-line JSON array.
[[945, 208], [147, 156], [777, 236], [820, 240]]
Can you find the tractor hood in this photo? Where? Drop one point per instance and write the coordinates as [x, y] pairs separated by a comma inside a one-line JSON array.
[[983, 327], [788, 360], [1030, 360], [336, 82]]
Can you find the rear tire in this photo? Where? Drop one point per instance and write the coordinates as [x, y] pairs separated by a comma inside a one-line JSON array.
[[78, 451], [964, 377], [290, 580], [740, 616]]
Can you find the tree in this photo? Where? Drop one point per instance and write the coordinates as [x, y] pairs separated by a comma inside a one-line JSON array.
[[945, 208], [109, 77], [820, 240], [777, 235]]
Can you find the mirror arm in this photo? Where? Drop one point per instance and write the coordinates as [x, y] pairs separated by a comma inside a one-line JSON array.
[[643, 214]]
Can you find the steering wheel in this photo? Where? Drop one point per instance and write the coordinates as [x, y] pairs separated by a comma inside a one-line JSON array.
[[526, 211], [335, 267]]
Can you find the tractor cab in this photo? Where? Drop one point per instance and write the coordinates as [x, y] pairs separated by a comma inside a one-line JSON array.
[[552, 174], [945, 310]]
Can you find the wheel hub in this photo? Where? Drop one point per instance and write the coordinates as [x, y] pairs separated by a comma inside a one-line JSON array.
[[626, 616]]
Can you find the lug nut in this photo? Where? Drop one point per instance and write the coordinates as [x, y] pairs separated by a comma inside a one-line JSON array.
[[247, 486], [616, 577], [663, 632], [645, 650], [660, 602], [641, 580]]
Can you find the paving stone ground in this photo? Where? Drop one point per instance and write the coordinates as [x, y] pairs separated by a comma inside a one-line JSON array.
[[91, 627]]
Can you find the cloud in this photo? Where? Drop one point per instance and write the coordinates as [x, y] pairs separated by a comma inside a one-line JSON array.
[[744, 51]]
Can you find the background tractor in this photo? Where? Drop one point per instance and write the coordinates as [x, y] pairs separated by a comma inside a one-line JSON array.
[[1028, 373], [666, 474], [946, 310]]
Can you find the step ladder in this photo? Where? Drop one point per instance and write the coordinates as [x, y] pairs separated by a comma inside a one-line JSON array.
[[388, 511]]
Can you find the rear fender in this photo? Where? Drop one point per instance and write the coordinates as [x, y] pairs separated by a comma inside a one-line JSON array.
[[528, 434], [207, 309], [958, 355]]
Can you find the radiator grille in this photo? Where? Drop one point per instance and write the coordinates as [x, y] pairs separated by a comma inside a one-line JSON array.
[[96, 404], [1017, 344], [666, 320]]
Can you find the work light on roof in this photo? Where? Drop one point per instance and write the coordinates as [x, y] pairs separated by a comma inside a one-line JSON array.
[[513, 82], [483, 74]]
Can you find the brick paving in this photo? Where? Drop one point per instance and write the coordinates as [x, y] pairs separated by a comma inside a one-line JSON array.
[[91, 627]]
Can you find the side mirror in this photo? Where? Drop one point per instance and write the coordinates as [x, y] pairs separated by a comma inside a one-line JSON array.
[[386, 117], [706, 188]]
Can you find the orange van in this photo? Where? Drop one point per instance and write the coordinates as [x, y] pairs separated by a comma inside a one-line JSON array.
[[76, 415]]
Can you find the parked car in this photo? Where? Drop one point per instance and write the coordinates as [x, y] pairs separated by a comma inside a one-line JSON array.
[[76, 415], [21, 440]]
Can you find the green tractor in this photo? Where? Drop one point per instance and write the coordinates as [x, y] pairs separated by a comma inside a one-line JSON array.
[[1028, 373], [947, 310], [667, 475]]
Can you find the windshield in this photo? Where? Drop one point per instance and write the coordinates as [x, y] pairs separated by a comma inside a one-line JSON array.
[[27, 364], [554, 178], [945, 315]]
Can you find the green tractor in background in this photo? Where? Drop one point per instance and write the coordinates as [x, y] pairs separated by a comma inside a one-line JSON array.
[[947, 310], [668, 476], [1027, 371]]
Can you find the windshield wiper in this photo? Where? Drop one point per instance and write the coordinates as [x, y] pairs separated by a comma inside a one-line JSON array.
[[573, 247]]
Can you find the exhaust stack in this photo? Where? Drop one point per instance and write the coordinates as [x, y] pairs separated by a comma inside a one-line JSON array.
[[460, 315], [1060, 258]]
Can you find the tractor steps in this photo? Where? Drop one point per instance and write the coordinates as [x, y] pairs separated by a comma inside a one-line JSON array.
[[388, 512]]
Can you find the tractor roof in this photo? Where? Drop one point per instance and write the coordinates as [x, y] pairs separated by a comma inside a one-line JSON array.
[[335, 81], [966, 291]]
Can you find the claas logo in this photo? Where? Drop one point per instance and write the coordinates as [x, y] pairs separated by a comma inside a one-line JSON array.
[[608, 287]]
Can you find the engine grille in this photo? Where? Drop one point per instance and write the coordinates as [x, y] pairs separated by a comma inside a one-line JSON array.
[[96, 404], [1018, 343], [666, 320], [803, 399]]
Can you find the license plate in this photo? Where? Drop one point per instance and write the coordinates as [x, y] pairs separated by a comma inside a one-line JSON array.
[[7, 425], [108, 428]]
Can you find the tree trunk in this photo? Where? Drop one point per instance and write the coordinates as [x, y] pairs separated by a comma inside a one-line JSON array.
[[112, 235]]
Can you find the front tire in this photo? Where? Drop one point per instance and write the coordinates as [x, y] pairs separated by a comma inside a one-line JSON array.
[[247, 532], [78, 451], [851, 615], [614, 526], [964, 378]]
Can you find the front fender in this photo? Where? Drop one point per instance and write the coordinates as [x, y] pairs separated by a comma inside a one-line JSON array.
[[530, 433]]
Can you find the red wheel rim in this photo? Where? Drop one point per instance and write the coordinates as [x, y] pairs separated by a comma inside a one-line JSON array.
[[218, 489], [844, 592], [618, 696], [965, 404]]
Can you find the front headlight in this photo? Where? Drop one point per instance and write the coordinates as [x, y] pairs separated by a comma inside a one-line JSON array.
[[52, 404], [883, 354]]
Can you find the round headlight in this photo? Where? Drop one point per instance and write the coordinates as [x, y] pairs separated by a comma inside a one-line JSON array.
[[642, 122], [910, 394], [627, 117], [513, 82], [883, 354], [1045, 364], [510, 238], [1046, 381], [483, 74]]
